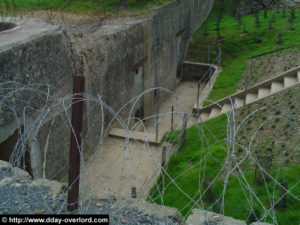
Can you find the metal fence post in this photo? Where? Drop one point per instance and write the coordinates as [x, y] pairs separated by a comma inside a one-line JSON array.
[[219, 59], [182, 135], [133, 192], [246, 89], [210, 74], [198, 94], [251, 72], [172, 118], [163, 159], [75, 143]]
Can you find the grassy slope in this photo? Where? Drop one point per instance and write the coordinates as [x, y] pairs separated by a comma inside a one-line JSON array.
[[82, 6], [192, 151], [194, 158], [237, 49]]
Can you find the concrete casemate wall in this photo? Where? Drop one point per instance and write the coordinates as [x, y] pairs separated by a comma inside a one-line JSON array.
[[120, 59], [122, 49], [35, 54]]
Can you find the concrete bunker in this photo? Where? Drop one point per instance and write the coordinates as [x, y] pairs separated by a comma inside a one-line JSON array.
[[155, 44]]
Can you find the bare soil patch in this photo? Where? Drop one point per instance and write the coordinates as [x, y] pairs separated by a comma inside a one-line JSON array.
[[273, 130], [269, 65]]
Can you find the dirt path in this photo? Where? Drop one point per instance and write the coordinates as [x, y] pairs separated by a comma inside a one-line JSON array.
[[120, 166]]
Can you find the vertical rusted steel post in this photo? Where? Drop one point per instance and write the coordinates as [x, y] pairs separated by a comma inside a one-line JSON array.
[[75, 144]]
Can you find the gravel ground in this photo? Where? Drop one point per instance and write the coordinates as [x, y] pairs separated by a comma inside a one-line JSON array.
[[18, 196], [128, 215]]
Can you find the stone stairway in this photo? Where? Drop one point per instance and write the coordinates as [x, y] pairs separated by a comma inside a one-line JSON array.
[[255, 93]]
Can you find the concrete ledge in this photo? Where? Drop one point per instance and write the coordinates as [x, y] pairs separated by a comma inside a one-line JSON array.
[[260, 223], [136, 135], [25, 31], [202, 217], [152, 209]]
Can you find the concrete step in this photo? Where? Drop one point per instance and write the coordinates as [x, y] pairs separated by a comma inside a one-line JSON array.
[[238, 102], [204, 116], [136, 135], [262, 92], [226, 108], [214, 112], [251, 97], [276, 86], [290, 81], [298, 76]]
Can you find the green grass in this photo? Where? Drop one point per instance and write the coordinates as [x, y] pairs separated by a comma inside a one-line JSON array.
[[81, 6], [238, 49], [204, 155], [192, 151]]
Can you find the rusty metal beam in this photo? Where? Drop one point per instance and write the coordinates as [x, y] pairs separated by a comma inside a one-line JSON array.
[[180, 33], [139, 63], [75, 143]]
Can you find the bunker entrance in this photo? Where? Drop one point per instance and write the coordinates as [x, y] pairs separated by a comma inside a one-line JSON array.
[[6, 26], [7, 148]]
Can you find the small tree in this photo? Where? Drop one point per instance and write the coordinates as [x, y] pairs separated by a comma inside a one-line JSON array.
[[291, 22], [256, 19], [205, 30], [282, 195], [264, 166], [277, 8], [239, 21], [279, 39], [219, 36], [218, 26], [265, 14], [273, 18], [293, 16], [256, 38], [283, 13], [244, 29], [270, 25]]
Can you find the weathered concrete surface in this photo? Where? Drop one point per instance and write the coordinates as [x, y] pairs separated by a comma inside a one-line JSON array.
[[202, 217], [152, 209], [120, 59], [122, 49], [36, 52], [260, 223]]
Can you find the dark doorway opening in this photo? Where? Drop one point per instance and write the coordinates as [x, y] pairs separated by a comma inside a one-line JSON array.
[[139, 114], [7, 148], [6, 26]]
